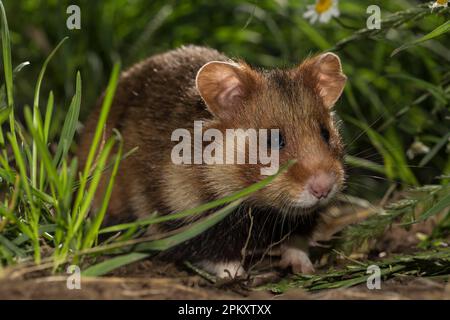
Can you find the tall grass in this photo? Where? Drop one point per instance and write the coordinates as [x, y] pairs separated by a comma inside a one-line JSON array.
[[46, 204]]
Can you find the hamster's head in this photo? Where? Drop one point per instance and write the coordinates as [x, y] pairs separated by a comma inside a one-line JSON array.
[[299, 103]]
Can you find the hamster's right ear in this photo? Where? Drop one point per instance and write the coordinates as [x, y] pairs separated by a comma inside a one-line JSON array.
[[324, 74], [224, 87]]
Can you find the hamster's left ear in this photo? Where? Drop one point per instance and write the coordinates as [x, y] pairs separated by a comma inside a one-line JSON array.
[[324, 74]]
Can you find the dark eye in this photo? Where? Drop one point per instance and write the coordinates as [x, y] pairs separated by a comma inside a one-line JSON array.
[[278, 141], [325, 134]]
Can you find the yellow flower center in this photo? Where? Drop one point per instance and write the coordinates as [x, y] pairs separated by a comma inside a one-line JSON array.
[[442, 2], [324, 5]]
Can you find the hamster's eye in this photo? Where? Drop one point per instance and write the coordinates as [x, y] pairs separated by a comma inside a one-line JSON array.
[[278, 142], [325, 134]]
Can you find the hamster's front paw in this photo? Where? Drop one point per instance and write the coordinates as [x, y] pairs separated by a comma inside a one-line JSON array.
[[297, 259], [225, 269]]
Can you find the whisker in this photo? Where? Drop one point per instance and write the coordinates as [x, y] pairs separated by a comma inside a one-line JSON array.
[[365, 130]]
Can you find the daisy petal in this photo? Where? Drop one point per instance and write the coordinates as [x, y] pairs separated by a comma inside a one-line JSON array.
[[335, 12], [308, 14], [325, 17]]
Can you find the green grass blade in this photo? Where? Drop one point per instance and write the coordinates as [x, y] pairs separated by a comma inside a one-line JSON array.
[[12, 247], [98, 172], [434, 150], [44, 153], [194, 230], [42, 73], [75, 228], [202, 208], [37, 119], [99, 216], [434, 90], [43, 228], [163, 244], [313, 35], [6, 50], [70, 125], [4, 114], [107, 266], [7, 67], [364, 163], [107, 102], [48, 115], [35, 212], [440, 206], [46, 129], [442, 29], [394, 160]]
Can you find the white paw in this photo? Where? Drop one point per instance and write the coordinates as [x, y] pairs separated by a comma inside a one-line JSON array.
[[229, 269], [297, 259]]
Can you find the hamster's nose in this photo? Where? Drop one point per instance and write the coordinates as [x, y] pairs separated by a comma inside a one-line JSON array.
[[320, 185]]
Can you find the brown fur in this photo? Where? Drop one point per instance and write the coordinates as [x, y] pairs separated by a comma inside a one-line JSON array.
[[159, 95]]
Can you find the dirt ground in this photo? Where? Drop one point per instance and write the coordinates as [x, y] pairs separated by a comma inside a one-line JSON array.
[[150, 279]]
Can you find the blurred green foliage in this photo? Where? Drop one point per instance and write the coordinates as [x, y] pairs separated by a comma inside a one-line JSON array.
[[391, 104]]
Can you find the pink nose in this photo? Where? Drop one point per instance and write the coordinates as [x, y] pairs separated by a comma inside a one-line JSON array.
[[320, 185]]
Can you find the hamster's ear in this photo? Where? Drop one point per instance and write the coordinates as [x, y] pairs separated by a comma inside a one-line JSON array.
[[223, 86], [324, 74]]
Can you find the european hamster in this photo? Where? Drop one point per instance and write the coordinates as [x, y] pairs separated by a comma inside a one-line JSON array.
[[172, 90]]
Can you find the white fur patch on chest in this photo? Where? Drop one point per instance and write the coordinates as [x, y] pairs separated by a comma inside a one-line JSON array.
[[229, 269]]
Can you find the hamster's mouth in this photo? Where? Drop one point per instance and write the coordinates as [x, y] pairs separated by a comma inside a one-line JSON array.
[[295, 209], [309, 202]]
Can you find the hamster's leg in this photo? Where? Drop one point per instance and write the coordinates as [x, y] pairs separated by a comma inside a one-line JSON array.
[[294, 253], [224, 269]]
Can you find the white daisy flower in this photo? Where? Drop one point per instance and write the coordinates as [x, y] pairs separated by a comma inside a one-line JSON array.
[[439, 3], [322, 10]]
